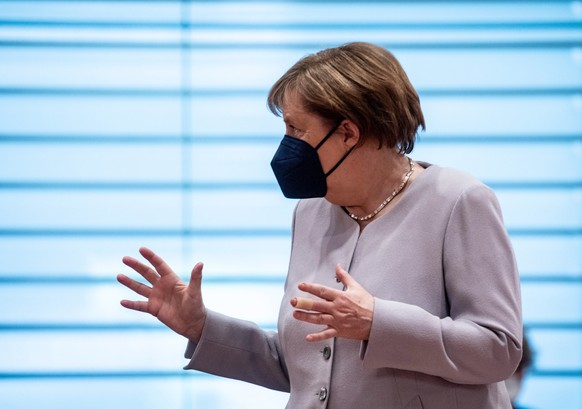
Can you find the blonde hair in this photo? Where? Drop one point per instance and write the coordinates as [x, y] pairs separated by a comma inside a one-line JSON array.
[[358, 81]]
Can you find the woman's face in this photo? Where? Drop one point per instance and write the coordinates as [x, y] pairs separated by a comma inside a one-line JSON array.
[[302, 124], [311, 128]]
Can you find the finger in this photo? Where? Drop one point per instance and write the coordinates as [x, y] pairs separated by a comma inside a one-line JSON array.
[[310, 304], [314, 318], [344, 277], [327, 333], [195, 284], [159, 264], [302, 303], [135, 286], [320, 291], [145, 271], [141, 306]]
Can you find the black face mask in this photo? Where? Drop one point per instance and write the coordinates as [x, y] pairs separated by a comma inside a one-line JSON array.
[[298, 169]]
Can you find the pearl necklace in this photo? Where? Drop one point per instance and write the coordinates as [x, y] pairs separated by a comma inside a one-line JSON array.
[[389, 198]]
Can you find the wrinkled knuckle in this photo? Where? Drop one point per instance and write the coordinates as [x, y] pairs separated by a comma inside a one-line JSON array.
[[343, 300]]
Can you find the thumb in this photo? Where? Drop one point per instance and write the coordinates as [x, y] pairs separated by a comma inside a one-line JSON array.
[[343, 276], [195, 283]]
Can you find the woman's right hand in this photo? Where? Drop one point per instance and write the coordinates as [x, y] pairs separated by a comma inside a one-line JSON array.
[[177, 305]]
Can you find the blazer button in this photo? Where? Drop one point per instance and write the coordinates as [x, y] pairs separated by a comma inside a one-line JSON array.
[[326, 353], [322, 393]]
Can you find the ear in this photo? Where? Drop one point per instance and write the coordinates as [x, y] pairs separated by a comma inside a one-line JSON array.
[[350, 133]]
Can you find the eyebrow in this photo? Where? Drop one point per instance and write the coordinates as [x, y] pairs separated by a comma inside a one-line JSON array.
[[288, 119]]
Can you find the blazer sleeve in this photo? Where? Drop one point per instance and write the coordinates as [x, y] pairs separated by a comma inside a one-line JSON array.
[[480, 341], [239, 349]]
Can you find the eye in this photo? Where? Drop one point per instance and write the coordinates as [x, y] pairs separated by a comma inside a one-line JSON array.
[[292, 131]]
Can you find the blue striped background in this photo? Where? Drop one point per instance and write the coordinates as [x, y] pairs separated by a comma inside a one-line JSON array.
[[144, 123]]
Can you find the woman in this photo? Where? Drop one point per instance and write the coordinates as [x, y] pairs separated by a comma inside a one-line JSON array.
[[428, 315]]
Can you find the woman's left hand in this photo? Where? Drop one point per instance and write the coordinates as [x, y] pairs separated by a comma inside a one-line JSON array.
[[347, 314]]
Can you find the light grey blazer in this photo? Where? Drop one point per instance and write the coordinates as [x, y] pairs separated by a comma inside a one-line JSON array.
[[447, 316]]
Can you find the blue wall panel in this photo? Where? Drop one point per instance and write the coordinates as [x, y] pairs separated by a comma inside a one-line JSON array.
[[136, 123]]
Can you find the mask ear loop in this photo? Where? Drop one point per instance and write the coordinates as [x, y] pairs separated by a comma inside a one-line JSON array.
[[330, 133], [326, 138], [340, 161]]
